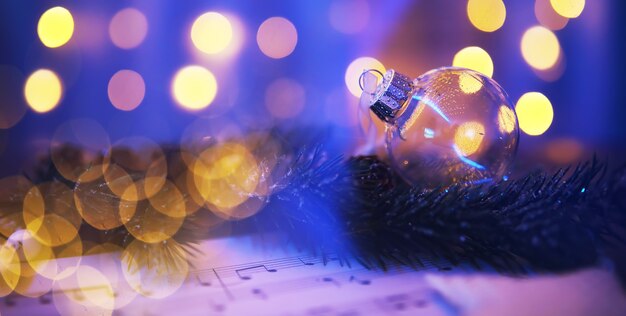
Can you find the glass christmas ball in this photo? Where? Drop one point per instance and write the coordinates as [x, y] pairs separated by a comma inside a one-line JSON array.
[[449, 126]]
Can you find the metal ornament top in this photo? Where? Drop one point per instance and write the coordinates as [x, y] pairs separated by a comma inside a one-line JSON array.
[[391, 95]]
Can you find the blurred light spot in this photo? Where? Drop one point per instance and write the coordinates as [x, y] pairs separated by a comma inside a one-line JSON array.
[[470, 83], [277, 37], [486, 15], [10, 268], [540, 47], [548, 17], [534, 112], [226, 175], [564, 150], [97, 204], [50, 215], [137, 168], [506, 119], [126, 90], [356, 68], [95, 287], [12, 106], [194, 87], [86, 292], [146, 223], [40, 257], [211, 33], [349, 16], [285, 98], [468, 137], [568, 8], [152, 271], [128, 28], [474, 58], [55, 27], [169, 201], [43, 90]]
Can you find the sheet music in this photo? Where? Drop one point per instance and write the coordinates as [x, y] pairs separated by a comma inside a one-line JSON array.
[[239, 276]]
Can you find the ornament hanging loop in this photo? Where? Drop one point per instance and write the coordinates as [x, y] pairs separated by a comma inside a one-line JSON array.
[[366, 71]]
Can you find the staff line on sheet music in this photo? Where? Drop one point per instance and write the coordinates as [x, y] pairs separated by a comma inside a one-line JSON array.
[[337, 278]]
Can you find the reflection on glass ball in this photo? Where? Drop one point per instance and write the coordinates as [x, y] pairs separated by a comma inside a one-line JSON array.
[[457, 127]]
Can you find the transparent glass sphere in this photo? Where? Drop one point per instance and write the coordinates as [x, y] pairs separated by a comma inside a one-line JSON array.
[[457, 126]]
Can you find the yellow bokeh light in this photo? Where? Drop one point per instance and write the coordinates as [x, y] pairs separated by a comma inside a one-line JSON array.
[[55, 27], [534, 112], [470, 83], [568, 8], [211, 33], [486, 15], [356, 68], [10, 268], [474, 58], [152, 271], [226, 175], [43, 90], [540, 47], [468, 137], [194, 87], [506, 119]]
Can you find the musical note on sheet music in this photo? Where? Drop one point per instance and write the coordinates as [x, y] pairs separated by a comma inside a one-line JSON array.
[[277, 283]]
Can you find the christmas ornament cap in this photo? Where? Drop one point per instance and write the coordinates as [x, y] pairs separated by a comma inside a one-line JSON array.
[[391, 95]]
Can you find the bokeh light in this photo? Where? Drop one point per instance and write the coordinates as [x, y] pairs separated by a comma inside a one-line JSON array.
[[211, 33], [349, 16], [194, 87], [147, 224], [12, 105], [50, 215], [277, 37], [147, 271], [356, 68], [128, 28], [540, 47], [548, 17], [86, 292], [568, 8], [97, 204], [126, 90], [43, 90], [474, 58], [55, 27], [506, 119], [10, 268], [285, 98], [226, 175], [136, 168], [468, 137], [486, 15], [534, 112]]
